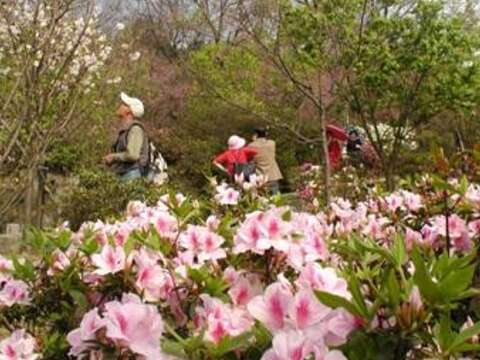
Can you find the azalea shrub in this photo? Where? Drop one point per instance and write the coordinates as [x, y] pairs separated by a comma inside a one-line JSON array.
[[244, 276]]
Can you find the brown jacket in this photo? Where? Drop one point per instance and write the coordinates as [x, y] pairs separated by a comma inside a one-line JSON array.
[[265, 159]]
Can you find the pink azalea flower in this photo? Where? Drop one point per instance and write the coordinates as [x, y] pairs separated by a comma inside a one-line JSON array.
[[430, 235], [412, 237], [314, 247], [457, 229], [203, 243], [5, 264], [110, 261], [244, 289], [272, 307], [221, 319], [79, 339], [60, 262], [120, 236], [412, 201], [325, 279], [375, 227], [250, 238], [227, 195], [135, 325], [306, 311], [288, 345], [14, 292], [393, 202], [154, 282], [19, 346], [473, 195], [474, 228], [166, 225], [212, 223], [339, 325], [230, 275], [415, 299], [275, 230]]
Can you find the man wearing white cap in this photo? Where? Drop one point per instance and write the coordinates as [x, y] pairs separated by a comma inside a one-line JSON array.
[[129, 159]]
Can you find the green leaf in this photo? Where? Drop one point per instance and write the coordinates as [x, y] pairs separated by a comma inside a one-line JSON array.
[[464, 336], [358, 297], [229, 344], [335, 302], [393, 289], [174, 348], [79, 298], [25, 271], [422, 279], [399, 251], [443, 332]]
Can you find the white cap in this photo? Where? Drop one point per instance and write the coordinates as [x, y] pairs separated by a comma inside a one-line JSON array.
[[135, 105], [236, 142]]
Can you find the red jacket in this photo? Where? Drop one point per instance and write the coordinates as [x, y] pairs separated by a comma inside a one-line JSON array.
[[229, 157]]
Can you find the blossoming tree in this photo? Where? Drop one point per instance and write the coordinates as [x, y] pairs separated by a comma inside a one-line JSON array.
[[51, 56]]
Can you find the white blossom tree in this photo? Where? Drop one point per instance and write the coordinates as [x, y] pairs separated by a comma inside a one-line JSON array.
[[51, 58]]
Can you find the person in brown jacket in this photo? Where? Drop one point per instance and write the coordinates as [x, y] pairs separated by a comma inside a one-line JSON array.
[[265, 160]]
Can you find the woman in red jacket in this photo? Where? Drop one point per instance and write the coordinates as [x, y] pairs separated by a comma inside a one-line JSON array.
[[237, 153]]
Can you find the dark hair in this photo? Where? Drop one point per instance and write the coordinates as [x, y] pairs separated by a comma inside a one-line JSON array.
[[261, 132]]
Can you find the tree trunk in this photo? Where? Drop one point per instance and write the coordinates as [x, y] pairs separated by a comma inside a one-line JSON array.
[[327, 172]]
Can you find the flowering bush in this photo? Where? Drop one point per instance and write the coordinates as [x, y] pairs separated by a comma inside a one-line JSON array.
[[244, 277]]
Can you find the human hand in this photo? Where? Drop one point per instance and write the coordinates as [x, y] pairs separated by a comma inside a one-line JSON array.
[[108, 159]]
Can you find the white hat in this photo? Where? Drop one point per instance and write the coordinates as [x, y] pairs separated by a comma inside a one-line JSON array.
[[236, 142], [135, 105]]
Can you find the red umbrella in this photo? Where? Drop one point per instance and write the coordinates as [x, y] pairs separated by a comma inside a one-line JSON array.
[[337, 132]]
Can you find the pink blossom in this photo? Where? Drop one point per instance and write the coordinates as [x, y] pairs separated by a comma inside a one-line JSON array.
[[325, 279], [457, 230], [339, 325], [473, 195], [412, 237], [306, 311], [212, 223], [412, 201], [14, 292], [18, 346], [415, 299], [288, 345], [120, 236], [154, 282], [227, 195], [250, 238], [5, 264], [272, 307], [203, 243], [60, 262], [110, 261], [166, 225], [221, 319], [393, 202], [375, 227], [244, 289], [79, 338], [135, 325]]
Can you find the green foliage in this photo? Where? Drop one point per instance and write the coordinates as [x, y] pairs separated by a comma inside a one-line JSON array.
[[100, 195]]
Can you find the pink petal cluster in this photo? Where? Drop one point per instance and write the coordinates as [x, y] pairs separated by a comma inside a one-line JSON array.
[[129, 324], [300, 323], [14, 292], [202, 244], [226, 195], [18, 346], [301, 237], [80, 339], [153, 281], [110, 261], [220, 319]]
